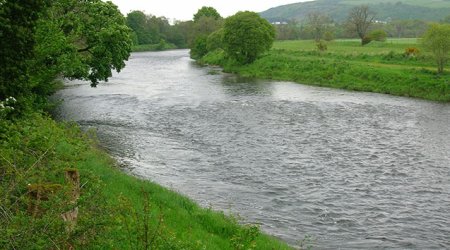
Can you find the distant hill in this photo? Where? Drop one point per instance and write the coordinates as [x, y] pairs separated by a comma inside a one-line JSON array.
[[430, 10]]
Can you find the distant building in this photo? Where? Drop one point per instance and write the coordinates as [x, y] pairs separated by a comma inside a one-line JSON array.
[[279, 23]]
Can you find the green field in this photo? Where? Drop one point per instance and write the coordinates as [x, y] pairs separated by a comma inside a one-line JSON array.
[[381, 67], [351, 46]]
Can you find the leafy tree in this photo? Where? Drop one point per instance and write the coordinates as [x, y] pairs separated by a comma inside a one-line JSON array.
[[437, 41], [359, 20], [246, 36], [42, 39], [206, 25], [206, 12], [206, 21], [318, 24], [137, 21], [214, 40], [18, 20], [199, 49], [84, 39]]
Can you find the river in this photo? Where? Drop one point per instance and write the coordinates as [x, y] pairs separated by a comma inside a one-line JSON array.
[[351, 170]]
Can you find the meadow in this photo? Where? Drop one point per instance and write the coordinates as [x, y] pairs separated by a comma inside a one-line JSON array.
[[397, 66]]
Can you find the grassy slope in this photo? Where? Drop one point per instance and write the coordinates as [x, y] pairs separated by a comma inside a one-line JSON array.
[[113, 206], [421, 3], [385, 9], [379, 67]]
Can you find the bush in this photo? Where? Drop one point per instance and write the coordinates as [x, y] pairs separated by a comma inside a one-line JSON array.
[[328, 36], [378, 35], [321, 46], [199, 49], [246, 36], [214, 40], [366, 40]]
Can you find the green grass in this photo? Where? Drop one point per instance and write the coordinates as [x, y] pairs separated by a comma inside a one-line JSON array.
[[116, 210], [377, 67], [351, 46]]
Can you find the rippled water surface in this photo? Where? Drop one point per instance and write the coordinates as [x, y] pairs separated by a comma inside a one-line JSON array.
[[352, 170]]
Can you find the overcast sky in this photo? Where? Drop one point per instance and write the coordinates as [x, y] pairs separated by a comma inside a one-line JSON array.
[[184, 10]]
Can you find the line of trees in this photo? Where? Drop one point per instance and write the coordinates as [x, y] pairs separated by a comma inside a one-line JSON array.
[[149, 29], [318, 26], [241, 37]]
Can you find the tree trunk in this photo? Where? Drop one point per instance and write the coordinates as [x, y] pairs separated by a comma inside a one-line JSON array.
[[440, 66]]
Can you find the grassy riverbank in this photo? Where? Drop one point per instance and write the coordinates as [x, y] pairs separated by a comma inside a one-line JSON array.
[[116, 211], [153, 47], [377, 67]]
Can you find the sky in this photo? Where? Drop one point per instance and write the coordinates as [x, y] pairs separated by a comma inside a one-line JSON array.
[[184, 10]]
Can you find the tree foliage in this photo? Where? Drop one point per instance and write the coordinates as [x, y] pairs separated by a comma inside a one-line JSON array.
[[437, 41], [246, 36], [206, 21], [92, 39], [43, 39], [359, 20], [18, 20], [206, 12]]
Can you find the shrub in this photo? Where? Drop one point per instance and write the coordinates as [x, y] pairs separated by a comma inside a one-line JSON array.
[[321, 46], [246, 36], [366, 40], [378, 35], [328, 36], [199, 49]]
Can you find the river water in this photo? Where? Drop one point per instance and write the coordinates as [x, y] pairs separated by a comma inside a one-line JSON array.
[[351, 170]]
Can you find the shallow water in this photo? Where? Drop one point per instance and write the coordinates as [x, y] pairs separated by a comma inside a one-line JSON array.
[[352, 170]]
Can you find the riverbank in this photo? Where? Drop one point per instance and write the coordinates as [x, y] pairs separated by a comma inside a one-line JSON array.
[[378, 67], [115, 210], [153, 47]]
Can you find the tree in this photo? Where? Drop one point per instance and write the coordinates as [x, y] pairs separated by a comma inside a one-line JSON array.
[[318, 24], [137, 21], [18, 20], [246, 36], [437, 41], [359, 20], [43, 39], [84, 39], [206, 12], [206, 21]]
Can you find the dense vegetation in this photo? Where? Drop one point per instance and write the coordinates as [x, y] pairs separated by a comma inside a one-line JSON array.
[[58, 190], [246, 36], [156, 33]]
